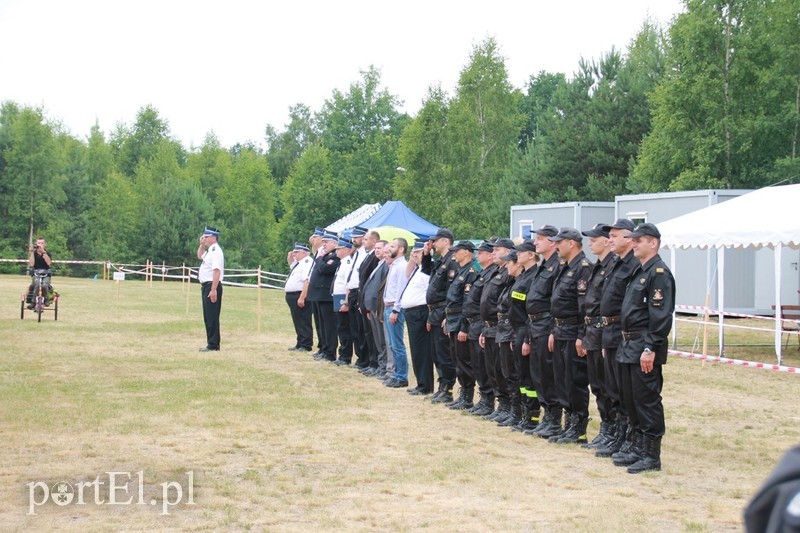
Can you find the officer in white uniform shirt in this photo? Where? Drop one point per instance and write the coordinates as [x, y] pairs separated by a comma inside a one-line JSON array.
[[210, 276], [300, 263]]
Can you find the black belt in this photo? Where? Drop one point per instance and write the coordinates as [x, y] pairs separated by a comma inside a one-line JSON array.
[[452, 310], [596, 321], [490, 323], [565, 321], [631, 335], [207, 283], [611, 320], [539, 316], [287, 292], [433, 307]]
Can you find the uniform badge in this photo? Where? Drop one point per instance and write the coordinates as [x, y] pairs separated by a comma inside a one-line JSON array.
[[658, 295], [569, 274], [581, 284], [460, 278], [330, 261], [549, 269], [642, 280], [659, 270]]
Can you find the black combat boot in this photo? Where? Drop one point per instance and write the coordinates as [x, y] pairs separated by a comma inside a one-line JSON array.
[[525, 415], [545, 420], [565, 429], [651, 456], [484, 407], [446, 395], [618, 436], [554, 428], [576, 434], [464, 400], [502, 411], [516, 413], [602, 437], [631, 451]]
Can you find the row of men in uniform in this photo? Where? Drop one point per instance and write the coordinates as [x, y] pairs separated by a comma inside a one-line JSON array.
[[534, 326]]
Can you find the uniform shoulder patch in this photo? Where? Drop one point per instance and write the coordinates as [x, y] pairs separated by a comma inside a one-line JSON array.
[[659, 270], [585, 263]]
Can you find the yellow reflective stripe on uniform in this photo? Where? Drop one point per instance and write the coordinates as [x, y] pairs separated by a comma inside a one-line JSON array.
[[519, 295], [532, 394]]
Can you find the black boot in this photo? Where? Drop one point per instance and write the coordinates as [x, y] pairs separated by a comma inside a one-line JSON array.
[[516, 413], [525, 415], [446, 395], [576, 434], [464, 400], [554, 427], [545, 420], [651, 456], [484, 407], [603, 436], [565, 429], [618, 436], [631, 451], [501, 411]]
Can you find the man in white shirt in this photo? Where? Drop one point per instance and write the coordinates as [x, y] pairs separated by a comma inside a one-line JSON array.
[[210, 275], [358, 322], [394, 318], [413, 304], [344, 248], [300, 263]]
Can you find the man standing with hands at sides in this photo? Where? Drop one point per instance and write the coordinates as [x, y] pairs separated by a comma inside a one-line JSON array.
[[296, 288], [210, 275]]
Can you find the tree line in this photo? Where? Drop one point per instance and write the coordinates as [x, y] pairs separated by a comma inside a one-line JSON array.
[[712, 101]]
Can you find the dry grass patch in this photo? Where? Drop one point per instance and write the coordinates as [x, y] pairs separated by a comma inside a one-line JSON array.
[[279, 442]]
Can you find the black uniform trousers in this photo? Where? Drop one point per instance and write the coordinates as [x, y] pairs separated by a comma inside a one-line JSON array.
[[325, 317], [301, 319], [345, 336], [597, 383], [419, 343], [493, 369], [459, 354], [522, 361], [509, 369], [440, 347], [642, 396], [211, 311], [316, 313], [478, 358], [541, 367], [613, 375], [572, 377], [357, 330]]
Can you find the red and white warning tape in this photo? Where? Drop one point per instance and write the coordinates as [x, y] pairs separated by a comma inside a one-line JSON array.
[[736, 362]]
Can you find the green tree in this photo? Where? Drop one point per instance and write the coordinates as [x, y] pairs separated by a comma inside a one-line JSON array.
[[283, 148], [142, 141]]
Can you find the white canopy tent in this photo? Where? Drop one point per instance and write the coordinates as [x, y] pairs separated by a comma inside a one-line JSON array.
[[762, 218], [354, 218]]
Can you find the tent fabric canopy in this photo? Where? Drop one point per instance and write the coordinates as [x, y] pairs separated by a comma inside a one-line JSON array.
[[355, 218], [396, 213], [762, 218]]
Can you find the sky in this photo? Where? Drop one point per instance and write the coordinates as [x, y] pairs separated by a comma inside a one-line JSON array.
[[234, 66]]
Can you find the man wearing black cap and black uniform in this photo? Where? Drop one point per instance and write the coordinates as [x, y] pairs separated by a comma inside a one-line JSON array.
[[210, 275], [540, 325], [508, 413], [472, 312], [456, 325], [569, 294], [441, 272], [357, 322], [617, 279], [518, 316], [320, 288], [646, 322], [300, 265], [590, 345]]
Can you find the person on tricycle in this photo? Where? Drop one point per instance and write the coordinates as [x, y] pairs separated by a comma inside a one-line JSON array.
[[39, 261]]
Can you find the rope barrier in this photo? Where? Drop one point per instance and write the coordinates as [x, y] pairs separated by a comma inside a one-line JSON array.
[[736, 362]]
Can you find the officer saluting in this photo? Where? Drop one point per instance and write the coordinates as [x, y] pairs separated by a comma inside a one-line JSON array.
[[646, 321], [210, 275]]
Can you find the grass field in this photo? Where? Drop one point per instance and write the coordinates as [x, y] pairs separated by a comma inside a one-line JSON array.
[[275, 441]]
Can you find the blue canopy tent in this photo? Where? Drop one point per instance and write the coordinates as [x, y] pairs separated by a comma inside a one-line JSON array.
[[397, 214]]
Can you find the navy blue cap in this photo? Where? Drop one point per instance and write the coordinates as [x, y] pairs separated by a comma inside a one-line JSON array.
[[645, 229], [485, 246], [621, 223], [526, 246], [358, 231], [211, 231], [510, 256], [463, 245], [504, 243], [330, 235], [567, 234], [547, 230], [344, 243], [419, 244], [300, 247], [318, 231], [597, 231]]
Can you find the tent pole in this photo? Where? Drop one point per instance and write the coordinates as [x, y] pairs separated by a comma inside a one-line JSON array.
[[721, 297], [778, 259], [674, 252]]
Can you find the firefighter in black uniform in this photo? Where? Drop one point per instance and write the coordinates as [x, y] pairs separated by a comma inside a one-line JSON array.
[[441, 272], [566, 306], [540, 325], [504, 339], [518, 316], [506, 415], [456, 325], [591, 344], [646, 322], [610, 309], [472, 311]]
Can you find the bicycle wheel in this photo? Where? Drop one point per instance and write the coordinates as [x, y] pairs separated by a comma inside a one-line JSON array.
[[22, 309], [39, 307], [55, 309]]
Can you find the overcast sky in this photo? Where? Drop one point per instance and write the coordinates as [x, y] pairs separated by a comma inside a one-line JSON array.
[[234, 66]]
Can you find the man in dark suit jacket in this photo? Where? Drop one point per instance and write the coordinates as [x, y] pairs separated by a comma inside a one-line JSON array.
[[319, 293], [367, 266]]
